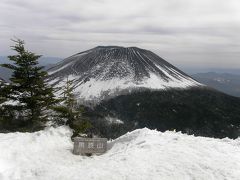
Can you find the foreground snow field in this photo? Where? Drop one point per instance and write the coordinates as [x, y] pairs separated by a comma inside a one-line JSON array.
[[141, 154]]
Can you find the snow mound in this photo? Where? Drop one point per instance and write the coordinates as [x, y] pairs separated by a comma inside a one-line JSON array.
[[141, 154]]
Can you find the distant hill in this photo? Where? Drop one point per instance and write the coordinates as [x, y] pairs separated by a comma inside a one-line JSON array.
[[195, 70], [225, 82]]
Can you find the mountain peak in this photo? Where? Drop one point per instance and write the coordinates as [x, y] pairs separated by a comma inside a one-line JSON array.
[[117, 47], [109, 70]]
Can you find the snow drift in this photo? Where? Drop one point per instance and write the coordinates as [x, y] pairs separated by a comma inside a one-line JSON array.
[[141, 154]]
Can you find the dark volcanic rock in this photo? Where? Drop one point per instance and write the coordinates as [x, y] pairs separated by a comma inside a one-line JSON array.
[[123, 61]]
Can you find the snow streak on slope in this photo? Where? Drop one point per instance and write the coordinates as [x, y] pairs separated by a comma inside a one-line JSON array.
[[106, 71], [139, 155]]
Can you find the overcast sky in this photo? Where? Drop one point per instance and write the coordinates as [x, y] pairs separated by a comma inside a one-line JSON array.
[[184, 32]]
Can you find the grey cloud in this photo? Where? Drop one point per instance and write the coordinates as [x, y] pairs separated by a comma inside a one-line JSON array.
[[183, 31]]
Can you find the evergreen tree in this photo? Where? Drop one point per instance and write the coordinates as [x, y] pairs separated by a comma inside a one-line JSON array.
[[70, 112], [7, 114], [2, 93], [2, 100], [32, 97]]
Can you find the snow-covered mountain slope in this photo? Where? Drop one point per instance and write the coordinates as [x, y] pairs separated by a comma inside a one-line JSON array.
[[138, 155], [107, 71]]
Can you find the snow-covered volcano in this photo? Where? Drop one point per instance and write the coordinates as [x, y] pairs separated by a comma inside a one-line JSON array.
[[110, 70]]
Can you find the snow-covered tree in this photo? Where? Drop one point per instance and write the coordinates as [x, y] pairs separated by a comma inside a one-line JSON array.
[[69, 112], [30, 95]]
